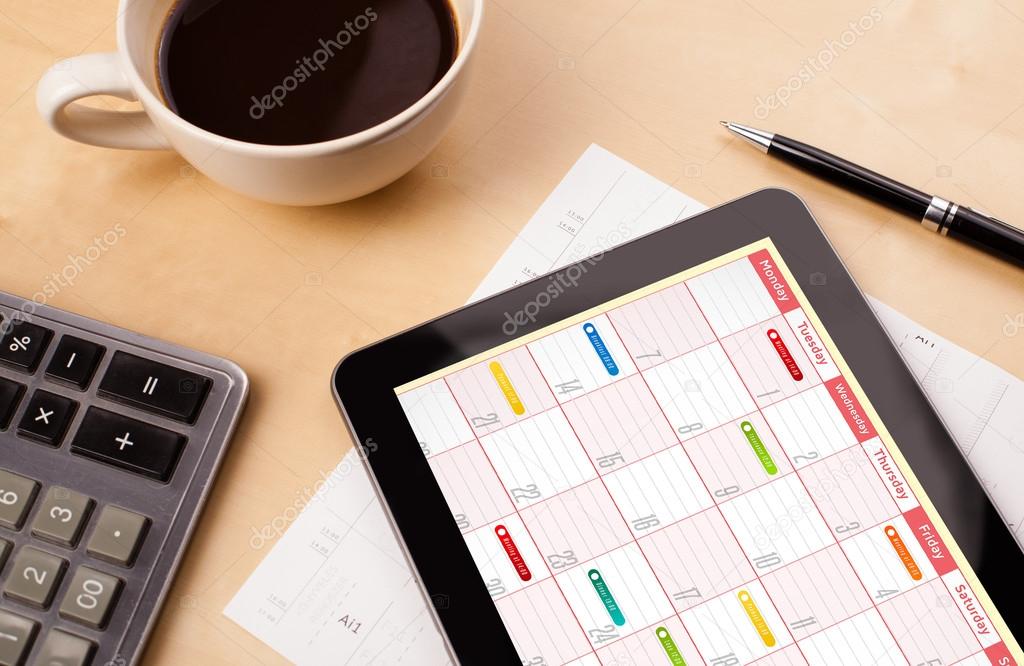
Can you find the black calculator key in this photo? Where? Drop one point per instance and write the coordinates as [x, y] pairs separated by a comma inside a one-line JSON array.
[[129, 444], [46, 417], [23, 344], [75, 361], [10, 396], [154, 387]]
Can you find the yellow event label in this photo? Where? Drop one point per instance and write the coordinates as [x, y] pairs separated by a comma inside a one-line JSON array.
[[754, 613], [505, 384]]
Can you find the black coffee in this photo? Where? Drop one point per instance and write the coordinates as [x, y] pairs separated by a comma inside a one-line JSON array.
[[301, 71]]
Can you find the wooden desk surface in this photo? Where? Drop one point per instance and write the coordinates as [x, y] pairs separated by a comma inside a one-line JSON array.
[[928, 92]]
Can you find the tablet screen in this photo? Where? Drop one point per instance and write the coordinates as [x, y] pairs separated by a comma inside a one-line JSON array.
[[691, 474]]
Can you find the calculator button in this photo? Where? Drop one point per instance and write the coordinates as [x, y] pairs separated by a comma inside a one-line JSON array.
[[5, 552], [46, 417], [10, 396], [154, 387], [118, 535], [63, 649], [34, 577], [90, 597], [16, 635], [75, 361], [16, 496], [23, 344], [129, 444], [62, 516]]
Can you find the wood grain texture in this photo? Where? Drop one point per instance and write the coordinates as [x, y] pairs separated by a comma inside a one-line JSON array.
[[929, 92]]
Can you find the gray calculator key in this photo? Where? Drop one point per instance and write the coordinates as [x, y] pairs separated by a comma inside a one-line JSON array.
[[5, 552], [16, 496], [34, 577], [90, 597], [61, 516], [63, 649], [117, 536], [16, 635]]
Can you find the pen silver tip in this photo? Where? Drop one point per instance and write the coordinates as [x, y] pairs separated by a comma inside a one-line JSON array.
[[723, 123]]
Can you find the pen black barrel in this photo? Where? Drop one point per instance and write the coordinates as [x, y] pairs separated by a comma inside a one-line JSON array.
[[989, 234], [850, 176]]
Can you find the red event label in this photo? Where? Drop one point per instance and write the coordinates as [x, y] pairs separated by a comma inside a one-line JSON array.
[[930, 541], [783, 351], [513, 552], [851, 408], [771, 278]]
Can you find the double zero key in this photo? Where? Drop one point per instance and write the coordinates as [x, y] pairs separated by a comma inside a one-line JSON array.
[[129, 444]]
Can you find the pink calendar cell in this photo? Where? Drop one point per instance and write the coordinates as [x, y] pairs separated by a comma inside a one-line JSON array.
[[809, 426], [697, 559], [699, 391], [777, 524], [665, 643], [771, 361], [576, 525], [620, 424], [738, 456], [848, 492], [790, 656], [542, 626], [615, 595], [586, 660], [470, 486], [928, 626], [888, 559], [662, 326], [582, 358], [506, 556], [435, 418], [980, 659], [538, 457], [658, 491], [732, 297], [739, 626], [501, 391], [862, 639], [816, 592]]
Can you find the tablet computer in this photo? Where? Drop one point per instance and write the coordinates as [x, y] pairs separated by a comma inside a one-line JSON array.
[[697, 448]]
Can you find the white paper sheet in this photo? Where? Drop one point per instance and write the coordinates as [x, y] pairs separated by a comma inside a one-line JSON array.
[[336, 588]]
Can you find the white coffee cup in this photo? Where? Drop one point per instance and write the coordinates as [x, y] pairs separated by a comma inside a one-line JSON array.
[[305, 175]]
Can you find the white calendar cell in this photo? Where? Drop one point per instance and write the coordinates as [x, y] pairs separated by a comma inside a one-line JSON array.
[[771, 361], [742, 624], [732, 297], [665, 643], [582, 358], [788, 656], [538, 458], [586, 660], [809, 426], [506, 556], [979, 659], [928, 625], [658, 491], [435, 418], [576, 525], [615, 595], [848, 492], [501, 391], [620, 424], [816, 592], [472, 489], [888, 559], [662, 326], [738, 456], [699, 391], [777, 524], [863, 639], [542, 627], [697, 559]]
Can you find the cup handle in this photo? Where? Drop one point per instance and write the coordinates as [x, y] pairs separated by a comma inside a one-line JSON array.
[[94, 74]]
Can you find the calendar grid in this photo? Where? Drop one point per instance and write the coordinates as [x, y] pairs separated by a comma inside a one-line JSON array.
[[659, 425]]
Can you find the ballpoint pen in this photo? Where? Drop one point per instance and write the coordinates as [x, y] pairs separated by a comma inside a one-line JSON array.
[[937, 214]]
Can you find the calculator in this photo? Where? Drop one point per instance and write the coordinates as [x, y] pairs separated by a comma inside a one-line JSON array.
[[109, 443]]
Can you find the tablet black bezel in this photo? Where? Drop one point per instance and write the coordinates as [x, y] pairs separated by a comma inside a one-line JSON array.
[[365, 381]]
